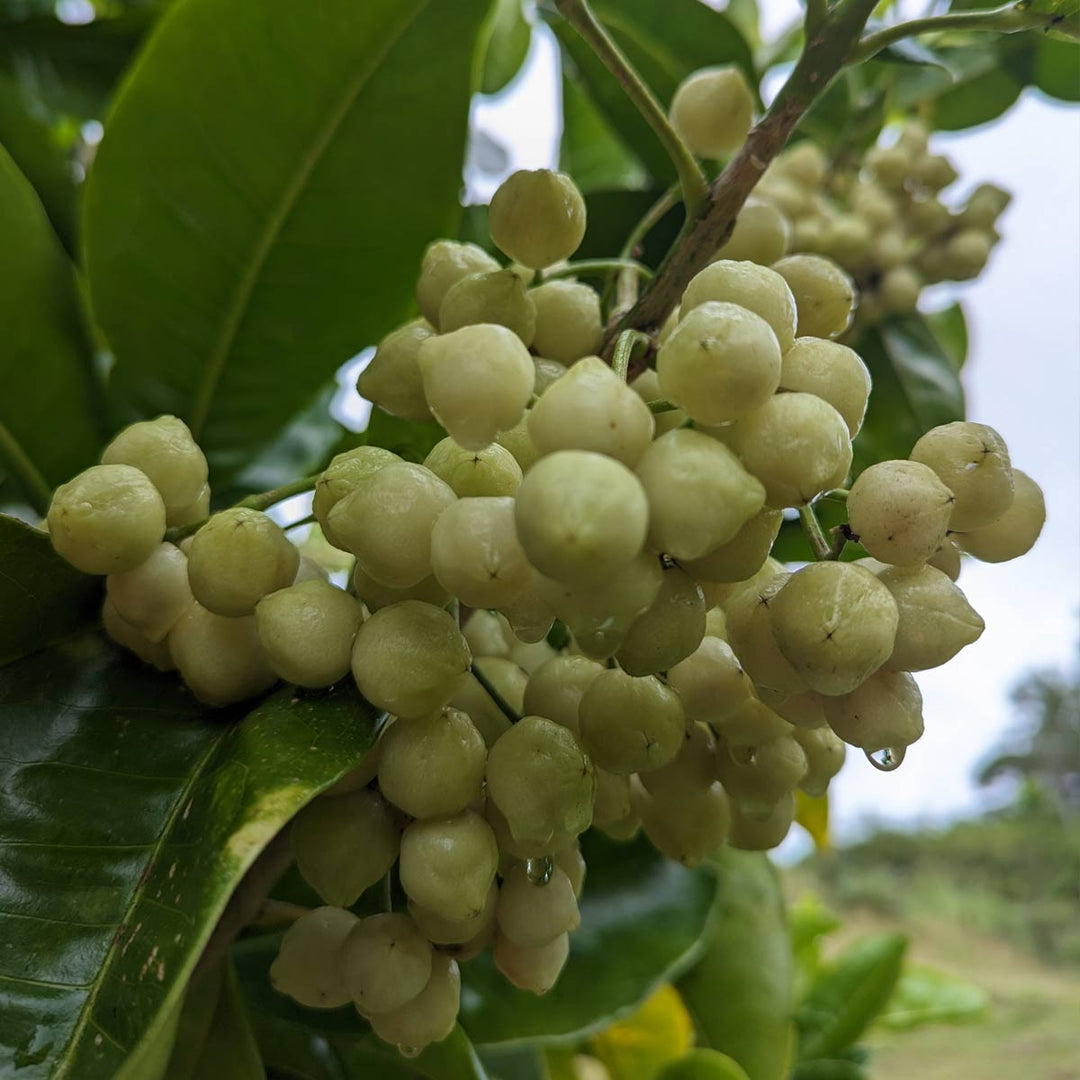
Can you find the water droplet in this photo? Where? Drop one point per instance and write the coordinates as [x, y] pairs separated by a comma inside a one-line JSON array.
[[887, 759], [410, 1051], [743, 755], [539, 871]]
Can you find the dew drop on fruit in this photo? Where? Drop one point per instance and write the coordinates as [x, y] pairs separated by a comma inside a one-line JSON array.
[[539, 871], [888, 759], [410, 1051]]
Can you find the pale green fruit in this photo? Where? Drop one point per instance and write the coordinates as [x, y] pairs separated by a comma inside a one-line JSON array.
[[750, 633], [966, 254], [238, 557], [344, 845], [948, 558], [572, 863], [890, 249], [715, 619], [526, 848], [497, 297], [591, 408], [220, 659], [750, 832], [789, 196], [165, 451], [900, 511], [875, 206], [647, 387], [530, 655], [824, 294], [387, 521], [1015, 532], [693, 768], [154, 595], [825, 753], [307, 632], [307, 964], [804, 710], [972, 461], [884, 713], [532, 968], [345, 473], [836, 623], [933, 172], [846, 239], [477, 381], [984, 206], [444, 931], [541, 781], [361, 776], [433, 766], [376, 596], [191, 513], [712, 110], [699, 494], [385, 962], [445, 263], [757, 780], [410, 658], [710, 682], [529, 614], [488, 634], [833, 372], [532, 915], [155, 653], [519, 442], [752, 725], [545, 372], [392, 378], [108, 520], [475, 552], [761, 234], [448, 864], [756, 288], [721, 362], [568, 320], [537, 217], [509, 681], [631, 725], [310, 570], [490, 471], [899, 289], [797, 445], [914, 137], [891, 165], [936, 620], [612, 804], [744, 554], [686, 826], [555, 689], [430, 1016], [805, 162], [669, 631], [581, 516], [928, 216]]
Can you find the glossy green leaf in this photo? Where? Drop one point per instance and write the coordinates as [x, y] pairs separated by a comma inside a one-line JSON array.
[[704, 1064], [48, 429], [976, 101], [642, 917], [849, 994], [849, 115], [129, 815], [42, 598], [1057, 69], [949, 326], [927, 996], [507, 46], [740, 992], [410, 439], [269, 177], [612, 215]]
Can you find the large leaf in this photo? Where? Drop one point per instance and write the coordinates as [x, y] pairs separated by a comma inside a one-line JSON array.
[[1057, 69], [740, 992], [47, 423], [925, 995], [129, 815], [507, 47], [269, 176]]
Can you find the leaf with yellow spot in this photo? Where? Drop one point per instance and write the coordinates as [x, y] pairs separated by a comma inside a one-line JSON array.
[[639, 1047]]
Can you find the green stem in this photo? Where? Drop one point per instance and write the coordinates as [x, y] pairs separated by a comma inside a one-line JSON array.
[[817, 11], [503, 705], [691, 179], [599, 266], [263, 500], [814, 532], [388, 893], [37, 488], [278, 913], [628, 341], [662, 405], [309, 520], [648, 221], [837, 495]]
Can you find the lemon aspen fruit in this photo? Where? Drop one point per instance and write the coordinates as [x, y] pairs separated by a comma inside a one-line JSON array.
[[883, 713], [568, 320], [345, 473], [490, 471], [824, 294], [392, 378], [385, 962], [669, 630], [531, 967], [153, 595], [712, 110], [306, 966], [555, 689], [533, 915], [710, 682], [430, 1016], [833, 372], [497, 297], [537, 217], [1015, 532], [743, 555], [445, 263], [155, 653], [761, 234]]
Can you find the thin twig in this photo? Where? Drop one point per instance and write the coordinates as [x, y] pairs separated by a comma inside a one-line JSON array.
[[814, 532], [38, 489], [628, 341], [503, 705], [261, 501], [586, 267]]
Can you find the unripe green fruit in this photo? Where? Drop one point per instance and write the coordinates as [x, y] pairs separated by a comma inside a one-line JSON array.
[[529, 614], [541, 781], [948, 559], [555, 689], [899, 289], [430, 1016], [806, 163], [568, 320], [699, 494], [832, 372], [788, 195], [712, 110], [165, 451], [572, 863], [156, 653], [477, 381], [753, 833], [647, 387], [445, 263], [509, 681], [221, 660], [545, 372], [385, 963], [534, 915], [345, 844], [307, 964], [825, 753], [891, 165], [875, 206], [669, 631], [530, 655], [591, 408], [581, 516], [392, 378], [387, 521], [803, 710], [752, 725], [721, 362], [375, 595], [108, 520], [537, 218], [967, 253], [519, 442], [715, 619], [434, 766], [890, 249], [808, 233], [743, 555], [759, 779], [443, 931], [238, 557], [836, 623], [710, 682], [984, 206], [693, 768], [972, 461], [847, 239], [933, 172], [497, 297], [192, 513], [514, 848], [612, 803], [1015, 532], [488, 634], [345, 473], [756, 288], [532, 968], [631, 725], [686, 826], [796, 444], [358, 778], [490, 471], [154, 595], [824, 294], [448, 864], [750, 632], [307, 631], [885, 712], [936, 621]]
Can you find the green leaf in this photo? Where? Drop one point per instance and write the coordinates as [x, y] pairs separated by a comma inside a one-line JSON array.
[[48, 430], [1057, 69], [410, 439], [975, 101], [949, 326], [927, 996], [704, 1064], [507, 47], [740, 992], [850, 993], [42, 598], [269, 177], [129, 815], [642, 917], [829, 1069], [611, 216]]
